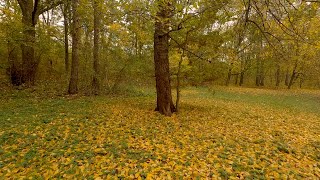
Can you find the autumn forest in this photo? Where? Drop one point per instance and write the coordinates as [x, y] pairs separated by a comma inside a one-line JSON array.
[[159, 89]]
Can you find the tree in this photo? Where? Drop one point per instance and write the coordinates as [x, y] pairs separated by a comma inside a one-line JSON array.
[[161, 58], [96, 46], [66, 15], [30, 13], [11, 28], [76, 29]]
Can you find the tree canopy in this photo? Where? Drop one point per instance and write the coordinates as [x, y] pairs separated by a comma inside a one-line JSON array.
[[246, 43]]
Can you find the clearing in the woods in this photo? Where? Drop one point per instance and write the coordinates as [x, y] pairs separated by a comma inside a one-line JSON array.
[[229, 133]]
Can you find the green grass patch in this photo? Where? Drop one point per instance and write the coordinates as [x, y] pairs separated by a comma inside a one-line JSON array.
[[227, 133]]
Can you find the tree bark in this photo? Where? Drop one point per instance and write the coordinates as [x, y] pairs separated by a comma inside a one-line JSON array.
[[14, 70], [73, 84], [161, 59], [262, 77], [287, 77], [258, 75], [236, 79], [31, 9], [178, 81], [229, 75], [293, 75], [96, 47], [241, 78], [278, 76], [29, 21], [301, 80], [66, 15]]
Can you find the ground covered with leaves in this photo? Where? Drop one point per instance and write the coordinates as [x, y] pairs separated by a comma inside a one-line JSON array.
[[219, 133]]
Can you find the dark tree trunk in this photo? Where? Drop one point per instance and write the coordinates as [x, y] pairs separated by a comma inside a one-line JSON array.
[[236, 79], [261, 66], [241, 79], [258, 80], [29, 21], [96, 47], [293, 75], [301, 80], [30, 13], [229, 75], [28, 58], [73, 84], [161, 60], [262, 73], [15, 70]]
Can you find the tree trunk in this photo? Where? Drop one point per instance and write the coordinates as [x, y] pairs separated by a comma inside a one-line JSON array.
[[15, 71], [29, 21], [30, 13], [287, 77], [73, 84], [96, 47], [258, 80], [262, 73], [278, 76], [241, 79], [293, 75], [236, 79], [161, 59], [301, 80], [229, 75], [66, 15], [178, 81], [258, 73]]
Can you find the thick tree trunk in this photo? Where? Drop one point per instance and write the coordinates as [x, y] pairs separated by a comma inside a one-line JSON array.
[[30, 13], [161, 60], [29, 21], [96, 47], [73, 84], [28, 60]]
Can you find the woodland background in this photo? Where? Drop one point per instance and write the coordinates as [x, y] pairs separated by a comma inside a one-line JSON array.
[[243, 43], [79, 80]]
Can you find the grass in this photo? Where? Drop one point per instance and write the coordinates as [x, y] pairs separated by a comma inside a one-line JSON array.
[[302, 101], [227, 133]]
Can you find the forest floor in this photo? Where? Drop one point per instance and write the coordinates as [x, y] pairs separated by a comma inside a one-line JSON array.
[[227, 133]]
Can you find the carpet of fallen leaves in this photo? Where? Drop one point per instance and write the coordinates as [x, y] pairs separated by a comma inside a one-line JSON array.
[[122, 137]]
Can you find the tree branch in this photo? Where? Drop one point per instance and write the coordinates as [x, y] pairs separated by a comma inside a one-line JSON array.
[[49, 6]]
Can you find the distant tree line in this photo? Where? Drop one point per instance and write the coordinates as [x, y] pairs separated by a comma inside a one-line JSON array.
[[101, 46]]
